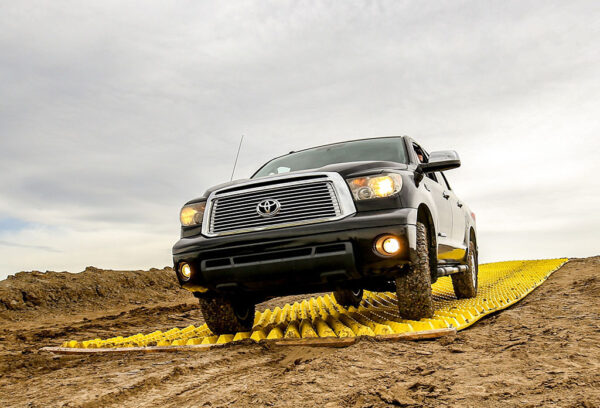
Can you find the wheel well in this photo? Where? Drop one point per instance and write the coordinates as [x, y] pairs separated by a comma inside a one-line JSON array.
[[424, 216]]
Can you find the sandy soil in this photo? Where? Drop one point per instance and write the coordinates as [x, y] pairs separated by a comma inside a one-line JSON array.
[[544, 351]]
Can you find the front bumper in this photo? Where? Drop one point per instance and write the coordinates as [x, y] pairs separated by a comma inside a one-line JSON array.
[[300, 259]]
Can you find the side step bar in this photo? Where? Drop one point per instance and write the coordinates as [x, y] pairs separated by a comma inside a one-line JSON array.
[[449, 270]]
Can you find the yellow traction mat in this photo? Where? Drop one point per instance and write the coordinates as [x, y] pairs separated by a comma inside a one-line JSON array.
[[321, 321]]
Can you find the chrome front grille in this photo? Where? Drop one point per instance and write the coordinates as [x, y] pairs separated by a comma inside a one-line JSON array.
[[300, 202]]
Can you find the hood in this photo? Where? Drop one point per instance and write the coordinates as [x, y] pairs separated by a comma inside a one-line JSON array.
[[344, 169]]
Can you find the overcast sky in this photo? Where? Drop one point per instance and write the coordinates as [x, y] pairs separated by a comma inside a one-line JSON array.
[[113, 114]]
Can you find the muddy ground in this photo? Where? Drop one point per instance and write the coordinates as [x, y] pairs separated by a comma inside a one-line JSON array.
[[543, 351]]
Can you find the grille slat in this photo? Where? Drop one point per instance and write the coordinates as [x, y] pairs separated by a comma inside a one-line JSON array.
[[288, 209], [275, 220], [320, 196], [284, 213], [278, 190], [284, 221], [280, 195], [300, 203], [287, 204]]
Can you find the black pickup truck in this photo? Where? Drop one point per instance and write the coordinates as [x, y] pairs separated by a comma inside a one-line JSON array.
[[375, 214]]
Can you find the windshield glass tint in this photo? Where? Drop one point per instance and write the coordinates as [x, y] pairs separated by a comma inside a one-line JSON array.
[[383, 149]]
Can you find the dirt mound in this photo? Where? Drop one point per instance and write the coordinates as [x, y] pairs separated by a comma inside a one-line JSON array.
[[590, 285], [91, 288]]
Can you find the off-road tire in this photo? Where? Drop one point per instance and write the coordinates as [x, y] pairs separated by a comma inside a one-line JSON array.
[[348, 297], [223, 316], [415, 300], [465, 283]]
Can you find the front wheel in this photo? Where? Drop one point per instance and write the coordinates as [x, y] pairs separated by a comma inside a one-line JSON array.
[[415, 299], [224, 315]]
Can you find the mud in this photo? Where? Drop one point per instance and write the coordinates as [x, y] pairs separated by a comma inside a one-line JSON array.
[[543, 351]]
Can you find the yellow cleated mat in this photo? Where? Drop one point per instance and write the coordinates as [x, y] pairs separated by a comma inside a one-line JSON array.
[[321, 321]]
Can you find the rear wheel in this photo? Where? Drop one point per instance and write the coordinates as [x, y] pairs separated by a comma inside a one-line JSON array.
[[348, 297], [415, 300], [224, 315], [465, 283]]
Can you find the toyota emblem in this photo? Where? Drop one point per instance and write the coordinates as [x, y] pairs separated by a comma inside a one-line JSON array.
[[268, 208]]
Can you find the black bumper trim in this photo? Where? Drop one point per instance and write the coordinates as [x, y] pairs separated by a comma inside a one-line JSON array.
[[272, 256], [322, 264]]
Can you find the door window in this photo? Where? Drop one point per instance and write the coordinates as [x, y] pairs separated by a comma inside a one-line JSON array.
[[423, 157]]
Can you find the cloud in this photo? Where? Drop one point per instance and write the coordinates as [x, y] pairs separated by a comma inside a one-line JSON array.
[[35, 247], [113, 115]]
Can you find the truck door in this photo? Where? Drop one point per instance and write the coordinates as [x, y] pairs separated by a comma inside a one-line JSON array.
[[442, 211], [444, 214], [459, 221]]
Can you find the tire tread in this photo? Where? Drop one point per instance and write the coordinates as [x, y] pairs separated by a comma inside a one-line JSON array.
[[462, 282], [220, 317], [413, 289]]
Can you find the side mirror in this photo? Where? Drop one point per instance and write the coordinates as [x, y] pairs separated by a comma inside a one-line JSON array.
[[441, 161]]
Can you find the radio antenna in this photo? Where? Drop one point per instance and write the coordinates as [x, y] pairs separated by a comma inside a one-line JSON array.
[[236, 157]]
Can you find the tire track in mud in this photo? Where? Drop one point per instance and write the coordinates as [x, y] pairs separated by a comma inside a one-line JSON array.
[[181, 379]]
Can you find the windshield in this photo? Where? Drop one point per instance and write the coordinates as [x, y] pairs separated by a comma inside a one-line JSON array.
[[381, 149]]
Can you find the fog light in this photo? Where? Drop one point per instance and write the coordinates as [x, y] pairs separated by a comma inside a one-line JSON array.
[[185, 271], [387, 245], [391, 245]]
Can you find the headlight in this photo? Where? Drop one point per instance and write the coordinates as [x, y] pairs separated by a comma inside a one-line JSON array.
[[192, 214], [381, 185]]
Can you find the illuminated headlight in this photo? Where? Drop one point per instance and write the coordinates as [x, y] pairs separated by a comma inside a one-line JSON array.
[[381, 185], [192, 214]]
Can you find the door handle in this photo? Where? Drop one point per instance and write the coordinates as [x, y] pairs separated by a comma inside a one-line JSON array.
[[426, 187], [445, 195], [459, 204]]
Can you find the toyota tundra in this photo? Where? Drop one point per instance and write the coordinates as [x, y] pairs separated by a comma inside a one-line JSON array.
[[376, 214]]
